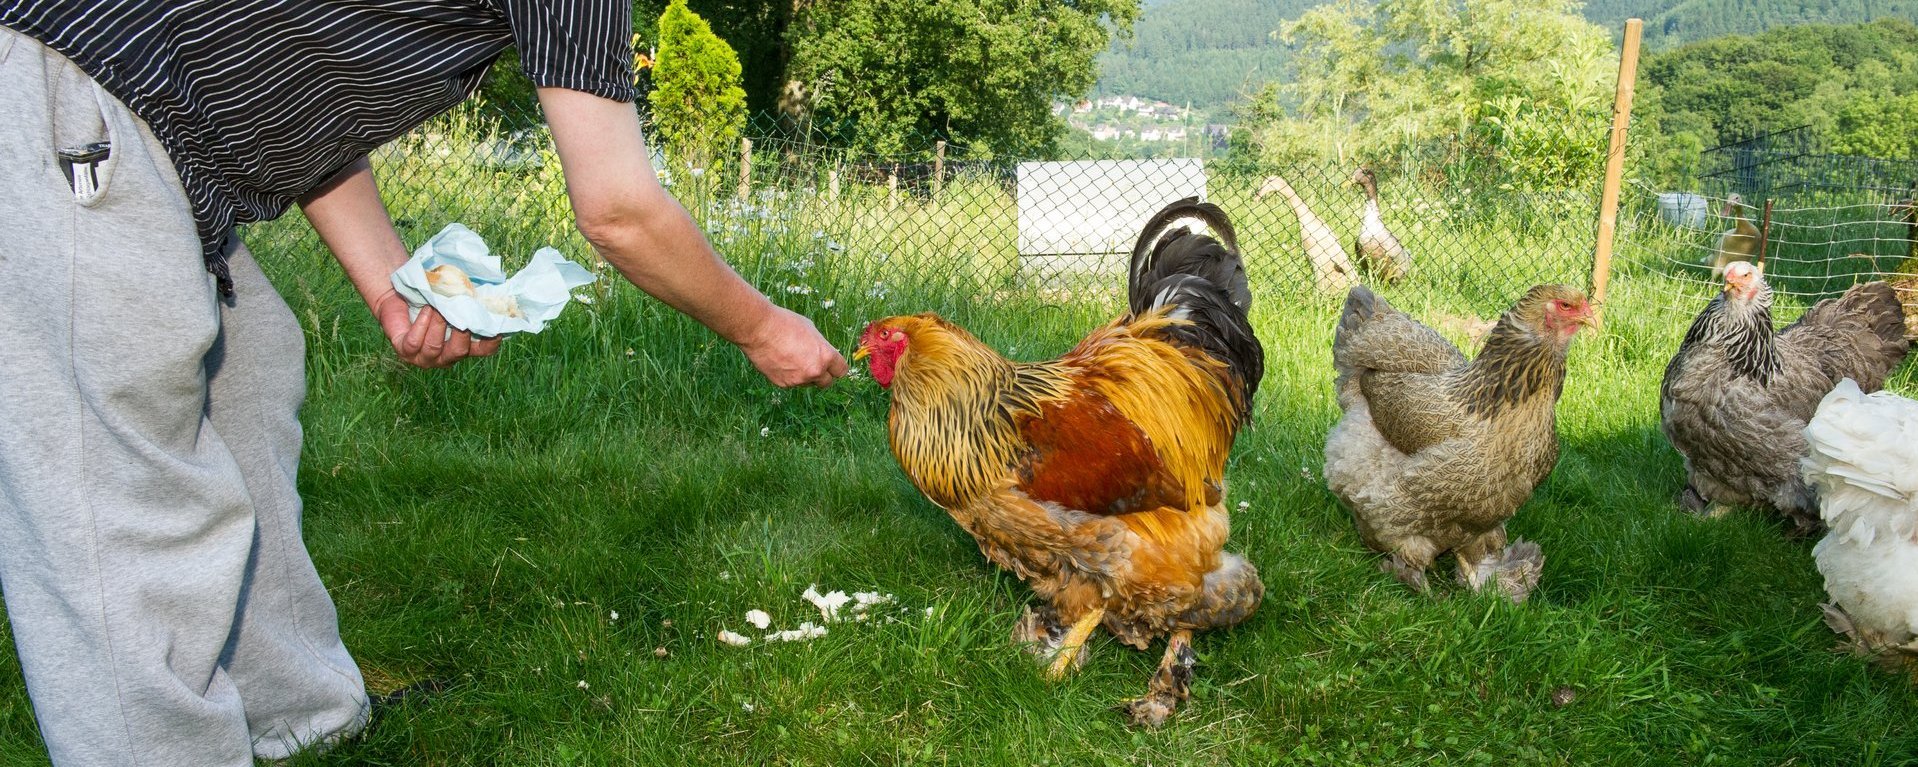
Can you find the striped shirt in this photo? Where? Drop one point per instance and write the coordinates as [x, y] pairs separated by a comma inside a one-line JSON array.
[[259, 101]]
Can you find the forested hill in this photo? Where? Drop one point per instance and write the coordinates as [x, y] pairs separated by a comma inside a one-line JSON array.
[[1670, 24], [1209, 52]]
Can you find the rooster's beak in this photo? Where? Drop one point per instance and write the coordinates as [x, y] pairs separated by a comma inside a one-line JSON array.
[[861, 353]]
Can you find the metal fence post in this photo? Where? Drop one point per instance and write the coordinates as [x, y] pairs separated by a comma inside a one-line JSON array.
[[832, 184], [892, 187], [745, 168], [1615, 164], [938, 166]]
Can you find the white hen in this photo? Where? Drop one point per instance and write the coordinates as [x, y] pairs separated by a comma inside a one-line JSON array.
[[1864, 465]]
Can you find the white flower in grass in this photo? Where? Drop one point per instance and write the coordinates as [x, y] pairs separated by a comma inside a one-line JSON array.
[[697, 172], [765, 431], [759, 619], [746, 706], [819, 234], [583, 685], [834, 246], [827, 304], [615, 615], [583, 298], [1243, 505], [736, 640]]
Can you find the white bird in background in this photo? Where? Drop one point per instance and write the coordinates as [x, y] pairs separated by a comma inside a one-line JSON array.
[[1864, 464], [1376, 246], [1332, 272]]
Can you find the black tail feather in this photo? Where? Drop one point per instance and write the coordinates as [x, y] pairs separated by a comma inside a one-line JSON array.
[[1203, 279], [1166, 248]]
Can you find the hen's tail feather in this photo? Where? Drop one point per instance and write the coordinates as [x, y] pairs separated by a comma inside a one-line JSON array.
[[1862, 333], [1167, 247], [1203, 280]]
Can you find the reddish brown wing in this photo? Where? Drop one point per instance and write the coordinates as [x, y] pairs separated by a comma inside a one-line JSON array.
[[1085, 455]]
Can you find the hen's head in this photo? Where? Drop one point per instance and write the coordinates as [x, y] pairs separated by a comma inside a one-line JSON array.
[[1734, 205], [883, 344], [888, 341], [1554, 312], [1745, 284]]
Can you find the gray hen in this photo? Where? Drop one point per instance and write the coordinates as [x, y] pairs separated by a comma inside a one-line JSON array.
[[1738, 392]]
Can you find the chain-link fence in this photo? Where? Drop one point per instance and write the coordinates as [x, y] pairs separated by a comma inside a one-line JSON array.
[[1816, 223], [945, 229]]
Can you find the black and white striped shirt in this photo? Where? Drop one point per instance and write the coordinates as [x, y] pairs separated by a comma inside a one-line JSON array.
[[259, 101]]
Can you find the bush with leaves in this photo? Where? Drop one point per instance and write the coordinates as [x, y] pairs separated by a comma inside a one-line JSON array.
[[699, 107]]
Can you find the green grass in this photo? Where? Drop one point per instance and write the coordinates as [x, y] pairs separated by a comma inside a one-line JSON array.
[[487, 522]]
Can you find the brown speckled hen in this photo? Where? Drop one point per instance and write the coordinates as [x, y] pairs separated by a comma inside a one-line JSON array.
[[1738, 393], [1099, 477], [1435, 453]]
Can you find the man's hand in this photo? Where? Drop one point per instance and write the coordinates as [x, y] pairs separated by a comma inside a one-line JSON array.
[[789, 351], [424, 341]]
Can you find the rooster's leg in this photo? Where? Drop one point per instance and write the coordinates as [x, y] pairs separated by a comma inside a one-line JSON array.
[[1075, 639], [1478, 558], [1038, 631], [1170, 685], [1693, 501], [1409, 560]]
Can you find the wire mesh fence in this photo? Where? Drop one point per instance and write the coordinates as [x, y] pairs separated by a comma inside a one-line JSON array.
[[1814, 237], [945, 229]]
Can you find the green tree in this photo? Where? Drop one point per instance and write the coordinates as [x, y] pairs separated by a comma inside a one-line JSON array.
[[890, 75], [698, 105], [1520, 86]]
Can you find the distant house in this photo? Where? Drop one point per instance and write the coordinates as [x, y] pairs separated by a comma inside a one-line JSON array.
[[1175, 134], [1131, 103], [1084, 106], [1105, 133], [1152, 134], [1110, 102]]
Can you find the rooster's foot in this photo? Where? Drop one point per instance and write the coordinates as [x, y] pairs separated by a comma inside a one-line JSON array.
[[1519, 570], [1693, 502], [1409, 574], [1038, 631], [1171, 685], [1071, 648]]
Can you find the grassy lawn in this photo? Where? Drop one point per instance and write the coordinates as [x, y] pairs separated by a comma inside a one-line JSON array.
[[565, 528]]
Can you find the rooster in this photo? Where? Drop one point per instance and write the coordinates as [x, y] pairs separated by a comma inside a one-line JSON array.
[[1098, 477], [1738, 392], [1862, 460], [1435, 453]]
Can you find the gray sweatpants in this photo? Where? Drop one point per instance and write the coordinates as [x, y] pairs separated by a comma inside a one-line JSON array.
[[162, 601]]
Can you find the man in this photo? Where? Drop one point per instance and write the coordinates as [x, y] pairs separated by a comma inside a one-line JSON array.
[[163, 603]]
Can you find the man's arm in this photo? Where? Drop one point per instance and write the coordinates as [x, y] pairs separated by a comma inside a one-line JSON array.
[[645, 234], [354, 224]]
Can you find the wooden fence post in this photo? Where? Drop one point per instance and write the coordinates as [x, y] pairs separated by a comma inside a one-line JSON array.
[[1615, 164], [892, 187], [745, 167], [938, 166], [1764, 234], [832, 183]]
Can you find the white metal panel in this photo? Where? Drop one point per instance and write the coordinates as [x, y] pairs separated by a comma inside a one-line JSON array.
[[1092, 207]]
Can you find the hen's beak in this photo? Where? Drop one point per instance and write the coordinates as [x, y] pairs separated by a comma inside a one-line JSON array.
[[1589, 317], [861, 353]]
